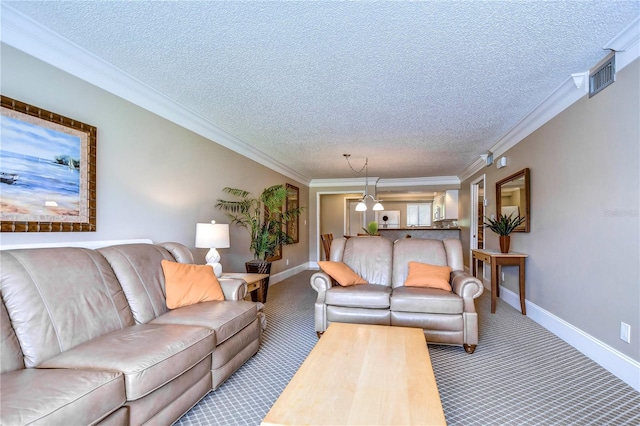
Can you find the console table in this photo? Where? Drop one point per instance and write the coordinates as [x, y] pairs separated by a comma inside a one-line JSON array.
[[497, 259]]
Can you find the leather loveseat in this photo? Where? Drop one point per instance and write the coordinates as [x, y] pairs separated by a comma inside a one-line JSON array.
[[447, 317], [87, 337]]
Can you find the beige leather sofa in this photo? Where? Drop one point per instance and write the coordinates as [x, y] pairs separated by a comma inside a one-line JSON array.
[[446, 317], [87, 337]]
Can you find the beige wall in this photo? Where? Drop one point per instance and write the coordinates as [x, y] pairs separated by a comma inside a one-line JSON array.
[[332, 213], [318, 225], [583, 247], [156, 180]]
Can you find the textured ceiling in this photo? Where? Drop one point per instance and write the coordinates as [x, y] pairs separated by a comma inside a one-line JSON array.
[[420, 88]]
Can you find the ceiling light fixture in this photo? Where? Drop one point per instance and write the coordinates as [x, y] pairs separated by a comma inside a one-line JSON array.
[[362, 204]]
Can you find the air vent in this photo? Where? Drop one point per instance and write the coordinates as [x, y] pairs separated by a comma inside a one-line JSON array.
[[602, 75]]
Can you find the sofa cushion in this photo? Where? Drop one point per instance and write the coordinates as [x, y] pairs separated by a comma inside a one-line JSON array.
[[358, 315], [425, 275], [58, 298], [11, 355], [59, 396], [225, 317], [426, 300], [340, 272], [137, 267], [370, 258], [166, 404], [372, 296], [421, 250], [149, 355], [189, 284]]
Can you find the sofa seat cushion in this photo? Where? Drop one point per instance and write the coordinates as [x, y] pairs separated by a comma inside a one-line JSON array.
[[358, 315], [426, 300], [59, 396], [149, 355], [226, 317], [373, 296]]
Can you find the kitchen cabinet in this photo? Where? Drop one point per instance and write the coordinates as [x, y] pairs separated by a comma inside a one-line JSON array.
[[445, 205]]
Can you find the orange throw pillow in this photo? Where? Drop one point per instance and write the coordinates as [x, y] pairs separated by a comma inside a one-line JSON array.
[[425, 275], [340, 272], [189, 284]]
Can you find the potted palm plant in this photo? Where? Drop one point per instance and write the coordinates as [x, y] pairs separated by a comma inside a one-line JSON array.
[[264, 219], [503, 226]]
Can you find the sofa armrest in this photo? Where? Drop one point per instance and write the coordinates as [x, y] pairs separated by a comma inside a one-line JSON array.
[[320, 282], [466, 286], [179, 252], [233, 288]]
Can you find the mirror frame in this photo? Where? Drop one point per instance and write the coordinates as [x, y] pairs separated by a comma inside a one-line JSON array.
[[527, 213], [293, 202]]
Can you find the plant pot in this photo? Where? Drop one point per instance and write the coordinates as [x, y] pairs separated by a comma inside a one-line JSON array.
[[505, 240], [257, 266]]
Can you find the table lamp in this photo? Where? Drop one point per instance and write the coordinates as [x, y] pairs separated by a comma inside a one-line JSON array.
[[212, 236]]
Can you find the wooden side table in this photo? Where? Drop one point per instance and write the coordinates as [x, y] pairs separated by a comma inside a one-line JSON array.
[[497, 259], [255, 283]]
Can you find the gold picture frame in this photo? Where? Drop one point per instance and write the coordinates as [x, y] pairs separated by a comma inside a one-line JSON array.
[[277, 255], [293, 203], [48, 171]]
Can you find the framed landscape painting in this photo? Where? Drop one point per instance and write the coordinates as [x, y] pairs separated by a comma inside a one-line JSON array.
[[47, 171]]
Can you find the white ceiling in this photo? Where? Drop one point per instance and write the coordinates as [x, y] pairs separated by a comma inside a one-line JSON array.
[[420, 88]]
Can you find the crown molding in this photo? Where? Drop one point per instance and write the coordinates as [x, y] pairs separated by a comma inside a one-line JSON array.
[[625, 40], [627, 47], [33, 38], [626, 44], [419, 181], [339, 183], [386, 183], [472, 169], [564, 96]]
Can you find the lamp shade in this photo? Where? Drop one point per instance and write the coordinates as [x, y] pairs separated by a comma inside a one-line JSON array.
[[212, 235], [361, 207], [378, 206]]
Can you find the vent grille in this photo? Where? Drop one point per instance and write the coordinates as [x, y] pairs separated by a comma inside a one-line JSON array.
[[603, 75]]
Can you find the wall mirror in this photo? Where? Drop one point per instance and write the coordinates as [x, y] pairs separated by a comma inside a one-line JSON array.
[[512, 197]]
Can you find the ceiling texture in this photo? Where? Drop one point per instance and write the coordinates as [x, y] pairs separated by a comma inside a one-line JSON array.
[[420, 88]]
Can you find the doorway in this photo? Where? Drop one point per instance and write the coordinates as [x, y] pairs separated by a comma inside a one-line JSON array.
[[476, 228], [355, 219], [337, 215]]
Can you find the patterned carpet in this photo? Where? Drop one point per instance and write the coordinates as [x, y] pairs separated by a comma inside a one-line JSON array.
[[520, 374]]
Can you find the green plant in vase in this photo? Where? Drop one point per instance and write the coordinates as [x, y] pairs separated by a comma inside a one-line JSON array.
[[372, 228], [503, 226], [263, 217]]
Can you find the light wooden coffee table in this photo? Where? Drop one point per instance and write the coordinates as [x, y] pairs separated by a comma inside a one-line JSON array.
[[362, 375]]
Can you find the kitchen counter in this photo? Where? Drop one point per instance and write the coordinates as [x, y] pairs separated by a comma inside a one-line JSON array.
[[421, 232]]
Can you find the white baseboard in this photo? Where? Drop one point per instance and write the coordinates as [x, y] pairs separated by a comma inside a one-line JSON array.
[[619, 364], [281, 276]]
